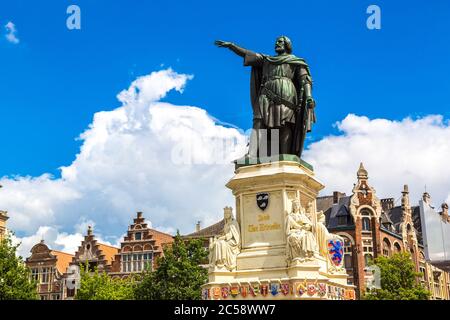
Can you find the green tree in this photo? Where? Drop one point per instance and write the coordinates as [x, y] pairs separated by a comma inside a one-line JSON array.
[[100, 286], [398, 279], [15, 279], [179, 274]]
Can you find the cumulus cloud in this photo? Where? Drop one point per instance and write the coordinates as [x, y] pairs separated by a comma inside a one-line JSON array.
[[145, 155], [57, 240], [411, 151], [172, 162], [11, 33]]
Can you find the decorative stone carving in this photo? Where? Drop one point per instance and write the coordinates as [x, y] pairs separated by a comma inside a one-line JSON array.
[[330, 245], [301, 242], [224, 248]]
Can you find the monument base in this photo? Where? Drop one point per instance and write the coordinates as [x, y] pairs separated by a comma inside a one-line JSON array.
[[264, 193]]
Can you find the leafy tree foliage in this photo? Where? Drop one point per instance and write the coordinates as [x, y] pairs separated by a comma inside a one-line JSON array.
[[15, 279], [100, 286], [398, 279], [179, 274]]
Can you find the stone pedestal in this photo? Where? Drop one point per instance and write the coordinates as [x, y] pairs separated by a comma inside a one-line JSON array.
[[262, 263]]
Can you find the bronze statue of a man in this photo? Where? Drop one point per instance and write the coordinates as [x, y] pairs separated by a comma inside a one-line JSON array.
[[281, 97]]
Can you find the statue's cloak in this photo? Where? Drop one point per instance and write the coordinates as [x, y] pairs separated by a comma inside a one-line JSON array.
[[303, 117]]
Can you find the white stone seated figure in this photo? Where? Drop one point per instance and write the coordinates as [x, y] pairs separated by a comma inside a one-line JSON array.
[[301, 242], [224, 249]]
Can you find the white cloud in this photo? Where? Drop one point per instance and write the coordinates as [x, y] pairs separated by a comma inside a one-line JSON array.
[[52, 237], [11, 33], [130, 161], [169, 162], [57, 240], [414, 152]]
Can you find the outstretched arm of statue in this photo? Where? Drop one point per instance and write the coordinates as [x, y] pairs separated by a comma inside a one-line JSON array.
[[230, 45]]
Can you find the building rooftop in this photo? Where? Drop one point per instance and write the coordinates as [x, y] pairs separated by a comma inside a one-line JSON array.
[[63, 260], [209, 231], [108, 251]]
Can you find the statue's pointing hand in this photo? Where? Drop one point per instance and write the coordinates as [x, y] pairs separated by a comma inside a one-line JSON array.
[[222, 44]]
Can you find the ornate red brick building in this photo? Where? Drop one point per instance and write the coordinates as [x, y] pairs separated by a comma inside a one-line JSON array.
[[47, 269], [139, 248], [3, 219], [54, 269], [372, 227]]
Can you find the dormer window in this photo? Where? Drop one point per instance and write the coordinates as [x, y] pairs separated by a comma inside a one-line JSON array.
[[342, 220], [138, 236]]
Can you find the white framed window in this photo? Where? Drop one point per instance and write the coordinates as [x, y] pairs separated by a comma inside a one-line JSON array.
[[367, 246], [35, 274], [45, 275], [137, 262], [148, 261], [366, 224]]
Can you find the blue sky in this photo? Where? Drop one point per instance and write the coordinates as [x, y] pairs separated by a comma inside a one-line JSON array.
[[54, 80]]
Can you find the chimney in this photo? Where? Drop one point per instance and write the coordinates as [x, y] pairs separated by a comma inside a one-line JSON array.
[[139, 214], [336, 196], [387, 204], [89, 232], [198, 226]]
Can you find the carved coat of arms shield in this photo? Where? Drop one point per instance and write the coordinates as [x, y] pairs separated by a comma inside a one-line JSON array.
[[262, 200], [274, 289], [336, 251]]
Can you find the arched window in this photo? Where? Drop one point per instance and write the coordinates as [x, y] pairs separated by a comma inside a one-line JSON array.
[[412, 252], [397, 247], [348, 259], [366, 224], [422, 257], [386, 247]]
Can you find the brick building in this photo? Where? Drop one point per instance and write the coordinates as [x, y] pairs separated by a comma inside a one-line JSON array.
[[93, 255], [139, 248], [3, 219], [47, 269], [372, 227], [53, 270]]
